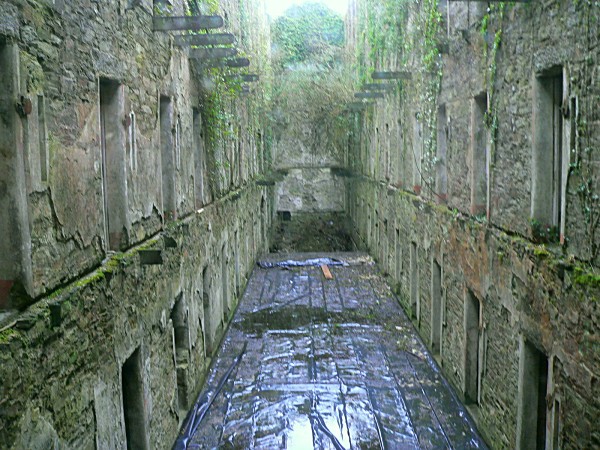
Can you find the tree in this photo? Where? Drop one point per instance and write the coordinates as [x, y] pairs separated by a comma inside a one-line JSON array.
[[310, 31]]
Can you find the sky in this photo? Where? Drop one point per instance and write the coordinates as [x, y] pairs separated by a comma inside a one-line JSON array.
[[275, 8]]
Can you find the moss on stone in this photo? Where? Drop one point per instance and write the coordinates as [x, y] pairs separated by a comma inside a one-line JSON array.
[[8, 335], [586, 277]]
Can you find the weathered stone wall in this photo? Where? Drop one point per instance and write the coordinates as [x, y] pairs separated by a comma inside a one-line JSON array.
[[524, 292], [176, 174], [61, 54], [62, 358], [451, 163]]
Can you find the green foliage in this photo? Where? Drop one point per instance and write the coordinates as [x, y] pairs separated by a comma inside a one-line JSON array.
[[381, 35], [544, 233], [490, 57], [306, 31]]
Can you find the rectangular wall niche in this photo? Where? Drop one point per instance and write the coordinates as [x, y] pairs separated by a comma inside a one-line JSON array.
[[43, 139], [181, 338], [167, 158], [417, 154], [480, 151], [441, 180], [133, 402], [208, 326], [224, 283], [548, 148], [472, 335], [398, 254], [198, 142], [414, 281], [112, 114], [533, 386], [436, 307]]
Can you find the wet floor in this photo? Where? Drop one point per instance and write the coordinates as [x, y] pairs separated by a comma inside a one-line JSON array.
[[325, 364]]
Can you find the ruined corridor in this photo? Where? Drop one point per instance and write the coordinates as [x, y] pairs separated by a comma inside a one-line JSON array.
[[168, 167], [326, 364]]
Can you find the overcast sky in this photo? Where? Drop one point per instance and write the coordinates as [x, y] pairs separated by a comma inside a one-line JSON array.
[[275, 8]]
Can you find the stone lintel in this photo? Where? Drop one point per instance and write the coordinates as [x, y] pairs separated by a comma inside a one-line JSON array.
[[212, 53], [165, 23], [378, 87], [150, 257], [369, 95], [233, 63], [397, 75], [205, 39]]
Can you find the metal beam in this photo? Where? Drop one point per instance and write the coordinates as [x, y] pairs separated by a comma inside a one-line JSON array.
[[399, 75], [369, 95], [205, 39], [167, 23], [212, 53]]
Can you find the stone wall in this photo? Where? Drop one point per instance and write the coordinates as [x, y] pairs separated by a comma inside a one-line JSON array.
[[477, 190], [62, 359], [524, 293], [60, 60], [128, 194]]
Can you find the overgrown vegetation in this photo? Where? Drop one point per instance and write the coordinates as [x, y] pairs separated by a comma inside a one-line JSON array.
[[308, 33], [313, 85]]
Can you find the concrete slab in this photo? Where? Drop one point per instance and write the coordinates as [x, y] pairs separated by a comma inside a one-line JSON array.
[[329, 364]]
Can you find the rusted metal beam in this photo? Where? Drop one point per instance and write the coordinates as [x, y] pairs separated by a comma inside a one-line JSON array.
[[205, 39], [178, 23], [398, 75], [212, 53]]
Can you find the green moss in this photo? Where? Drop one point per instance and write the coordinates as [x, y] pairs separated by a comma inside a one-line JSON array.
[[541, 252], [34, 77], [8, 335], [94, 277], [587, 278]]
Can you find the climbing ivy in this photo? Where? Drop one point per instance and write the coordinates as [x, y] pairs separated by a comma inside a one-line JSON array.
[[381, 35], [427, 78], [490, 56]]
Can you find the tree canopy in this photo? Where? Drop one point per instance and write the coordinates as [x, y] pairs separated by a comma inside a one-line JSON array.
[[306, 31]]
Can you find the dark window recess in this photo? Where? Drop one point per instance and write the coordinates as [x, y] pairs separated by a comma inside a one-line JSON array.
[[133, 402]]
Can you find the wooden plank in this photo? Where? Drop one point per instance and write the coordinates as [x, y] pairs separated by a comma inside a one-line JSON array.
[[398, 75], [168, 23], [326, 272], [205, 39], [210, 53], [369, 95]]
